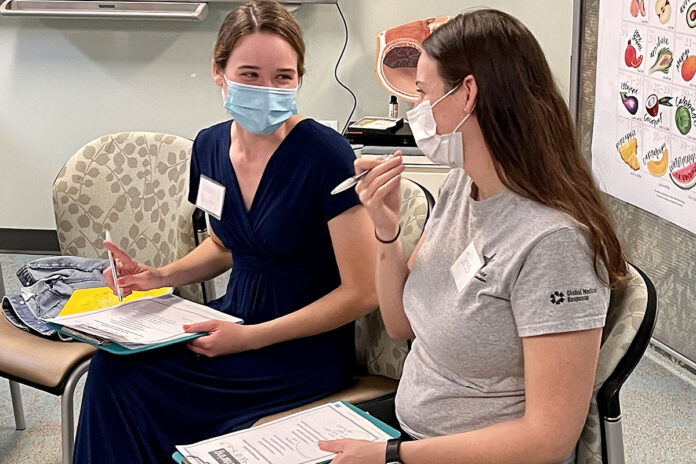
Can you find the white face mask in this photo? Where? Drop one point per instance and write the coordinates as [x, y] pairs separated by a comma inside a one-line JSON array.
[[440, 149]]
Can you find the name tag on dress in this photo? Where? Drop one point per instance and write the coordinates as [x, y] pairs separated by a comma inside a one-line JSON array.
[[466, 266], [211, 196]]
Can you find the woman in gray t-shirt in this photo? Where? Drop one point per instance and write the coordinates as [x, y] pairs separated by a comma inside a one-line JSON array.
[[506, 294]]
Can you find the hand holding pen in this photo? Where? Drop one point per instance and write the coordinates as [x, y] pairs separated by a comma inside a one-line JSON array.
[[112, 265], [379, 190], [352, 181], [128, 274]]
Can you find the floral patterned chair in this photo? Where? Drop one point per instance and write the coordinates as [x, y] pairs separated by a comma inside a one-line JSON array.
[[380, 358], [136, 185], [629, 326]]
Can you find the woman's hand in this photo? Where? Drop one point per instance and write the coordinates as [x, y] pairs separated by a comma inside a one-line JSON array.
[[380, 193], [350, 451], [223, 338], [132, 274]]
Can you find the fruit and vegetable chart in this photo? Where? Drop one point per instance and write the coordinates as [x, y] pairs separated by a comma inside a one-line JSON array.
[[644, 143]]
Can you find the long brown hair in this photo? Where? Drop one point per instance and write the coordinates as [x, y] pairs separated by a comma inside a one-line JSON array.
[[525, 122], [259, 16]]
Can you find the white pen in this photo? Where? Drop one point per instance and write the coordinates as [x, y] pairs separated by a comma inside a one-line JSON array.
[[353, 180], [114, 272]]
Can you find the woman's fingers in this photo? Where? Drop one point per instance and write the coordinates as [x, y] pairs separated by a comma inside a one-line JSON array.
[[376, 178], [332, 446], [125, 292], [363, 164], [109, 281], [382, 167], [204, 326], [367, 192], [387, 188], [109, 278], [196, 348], [140, 281], [131, 280], [122, 256]]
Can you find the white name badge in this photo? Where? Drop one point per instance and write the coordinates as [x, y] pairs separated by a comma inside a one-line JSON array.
[[211, 196], [466, 266]]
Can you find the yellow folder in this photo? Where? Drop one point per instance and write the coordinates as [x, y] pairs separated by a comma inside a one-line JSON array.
[[90, 299]]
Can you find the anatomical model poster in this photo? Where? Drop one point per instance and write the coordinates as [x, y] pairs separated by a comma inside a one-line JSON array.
[[644, 144]]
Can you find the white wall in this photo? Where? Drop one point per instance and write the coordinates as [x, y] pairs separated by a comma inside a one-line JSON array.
[[64, 82]]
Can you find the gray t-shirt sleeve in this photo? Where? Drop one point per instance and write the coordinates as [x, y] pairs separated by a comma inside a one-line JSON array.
[[443, 197], [557, 289]]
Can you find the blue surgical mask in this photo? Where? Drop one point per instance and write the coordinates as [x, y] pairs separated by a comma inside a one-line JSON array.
[[261, 110]]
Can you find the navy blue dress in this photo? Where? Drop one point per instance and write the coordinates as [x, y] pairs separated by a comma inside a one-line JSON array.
[[136, 408]]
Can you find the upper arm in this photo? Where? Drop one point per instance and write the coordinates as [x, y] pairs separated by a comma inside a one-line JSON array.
[[349, 225], [559, 372], [557, 289], [354, 247], [559, 307], [215, 238]]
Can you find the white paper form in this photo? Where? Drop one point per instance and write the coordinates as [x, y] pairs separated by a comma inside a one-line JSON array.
[[289, 440], [143, 322]]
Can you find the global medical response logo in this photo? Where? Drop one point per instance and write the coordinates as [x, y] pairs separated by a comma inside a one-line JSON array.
[[572, 296], [557, 298]]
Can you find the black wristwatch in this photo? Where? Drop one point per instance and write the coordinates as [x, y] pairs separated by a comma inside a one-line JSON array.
[[392, 454]]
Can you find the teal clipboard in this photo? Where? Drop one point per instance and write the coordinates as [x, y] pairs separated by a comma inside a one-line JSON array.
[[392, 432], [389, 430], [115, 348]]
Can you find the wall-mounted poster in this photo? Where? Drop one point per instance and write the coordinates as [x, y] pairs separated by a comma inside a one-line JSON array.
[[644, 144]]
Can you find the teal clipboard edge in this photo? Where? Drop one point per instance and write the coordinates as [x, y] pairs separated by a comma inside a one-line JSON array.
[[391, 431], [117, 349]]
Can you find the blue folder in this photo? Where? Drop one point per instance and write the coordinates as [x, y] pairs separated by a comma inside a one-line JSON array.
[[115, 348], [392, 432]]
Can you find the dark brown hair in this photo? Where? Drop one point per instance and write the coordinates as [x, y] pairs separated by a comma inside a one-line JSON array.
[[259, 16], [525, 122]]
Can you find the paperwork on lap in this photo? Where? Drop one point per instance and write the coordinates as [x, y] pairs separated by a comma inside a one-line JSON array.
[[139, 324], [289, 440]]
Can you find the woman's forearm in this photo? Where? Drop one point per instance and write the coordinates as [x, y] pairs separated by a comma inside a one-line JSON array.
[[206, 261], [337, 308], [516, 440], [391, 275]]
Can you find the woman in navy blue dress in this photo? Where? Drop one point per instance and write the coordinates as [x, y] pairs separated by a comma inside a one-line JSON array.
[[303, 267]]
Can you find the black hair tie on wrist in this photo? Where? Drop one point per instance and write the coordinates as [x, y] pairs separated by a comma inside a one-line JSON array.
[[386, 242]]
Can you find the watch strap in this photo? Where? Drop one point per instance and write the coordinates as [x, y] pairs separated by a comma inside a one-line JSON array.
[[392, 453]]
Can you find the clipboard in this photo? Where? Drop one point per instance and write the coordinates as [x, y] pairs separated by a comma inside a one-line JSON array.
[[391, 431], [115, 348]]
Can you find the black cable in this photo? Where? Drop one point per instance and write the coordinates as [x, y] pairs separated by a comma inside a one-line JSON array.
[[345, 45]]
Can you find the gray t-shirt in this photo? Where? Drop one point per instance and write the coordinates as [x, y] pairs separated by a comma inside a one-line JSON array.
[[465, 368]]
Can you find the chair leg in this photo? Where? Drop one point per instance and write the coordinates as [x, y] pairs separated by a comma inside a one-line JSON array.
[[613, 435], [66, 411], [17, 407]]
